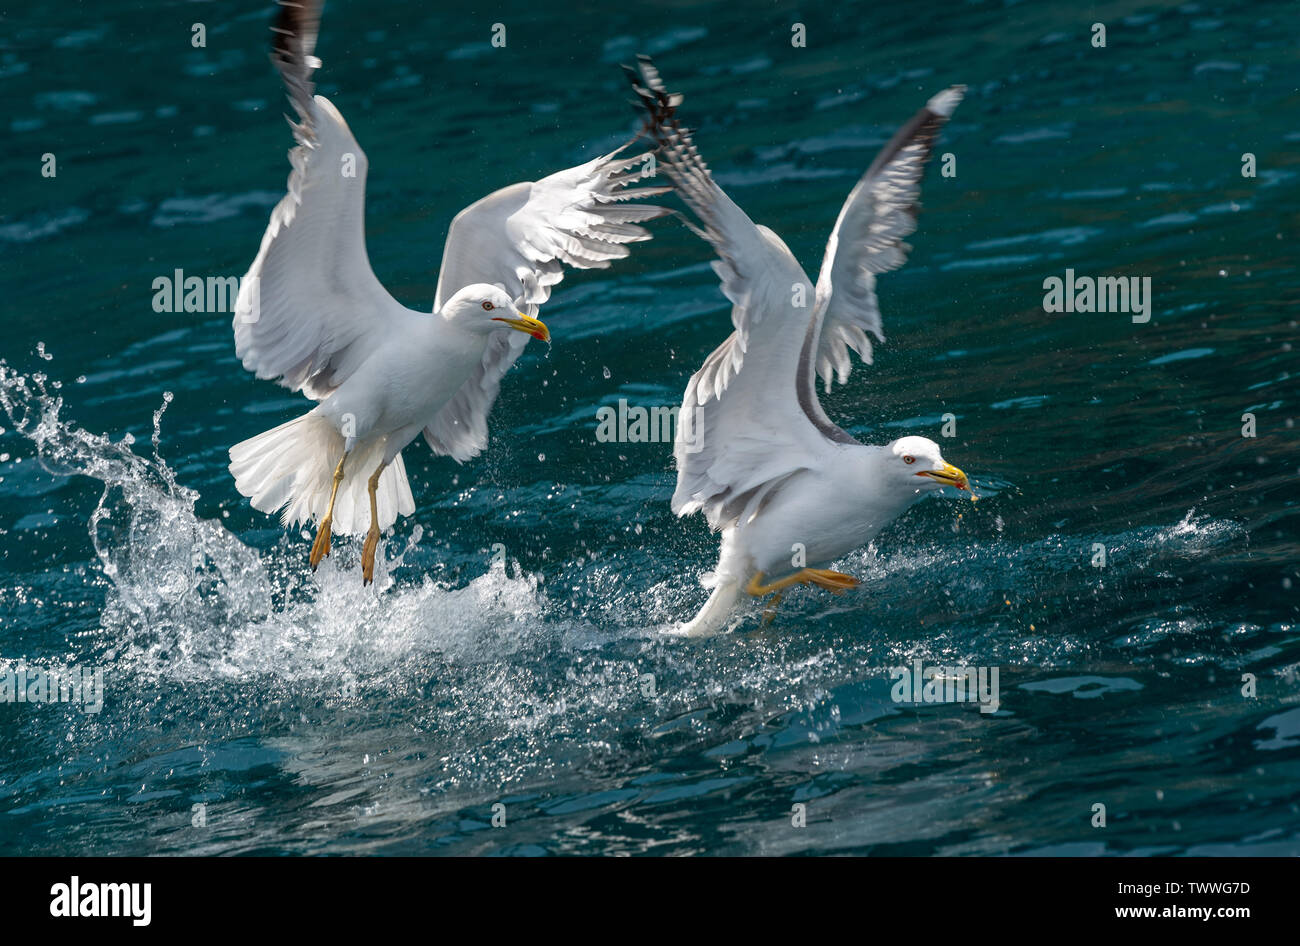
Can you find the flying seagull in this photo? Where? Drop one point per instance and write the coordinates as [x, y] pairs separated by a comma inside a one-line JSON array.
[[312, 315], [754, 449]]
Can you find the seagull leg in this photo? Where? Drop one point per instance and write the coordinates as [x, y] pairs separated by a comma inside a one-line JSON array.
[[835, 582], [769, 612], [321, 547], [372, 536], [758, 589]]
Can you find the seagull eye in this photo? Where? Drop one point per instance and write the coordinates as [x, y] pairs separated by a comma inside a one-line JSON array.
[[488, 307], [909, 459]]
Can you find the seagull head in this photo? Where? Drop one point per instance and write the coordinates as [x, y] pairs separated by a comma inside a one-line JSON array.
[[916, 463], [484, 309]]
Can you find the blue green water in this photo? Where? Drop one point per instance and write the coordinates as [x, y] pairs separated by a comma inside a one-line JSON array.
[[310, 715]]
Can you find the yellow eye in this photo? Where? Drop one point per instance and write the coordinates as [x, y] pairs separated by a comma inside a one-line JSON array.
[[488, 307], [909, 459]]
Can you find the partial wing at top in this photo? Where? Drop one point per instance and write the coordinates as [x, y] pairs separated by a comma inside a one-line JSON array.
[[310, 305], [868, 239], [521, 238], [742, 429]]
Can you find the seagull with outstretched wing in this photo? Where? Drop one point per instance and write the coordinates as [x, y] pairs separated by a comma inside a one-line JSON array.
[[755, 451], [312, 315]]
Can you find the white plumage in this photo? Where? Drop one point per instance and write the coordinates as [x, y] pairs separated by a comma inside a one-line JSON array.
[[755, 452], [313, 316]]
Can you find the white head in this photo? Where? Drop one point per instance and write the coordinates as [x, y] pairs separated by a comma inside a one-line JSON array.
[[483, 309], [915, 463]]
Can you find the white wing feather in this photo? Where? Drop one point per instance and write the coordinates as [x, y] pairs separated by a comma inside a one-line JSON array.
[[743, 429], [750, 418], [868, 239], [521, 238], [310, 307]]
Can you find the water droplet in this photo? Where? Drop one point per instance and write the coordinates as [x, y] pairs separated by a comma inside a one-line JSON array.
[[605, 371]]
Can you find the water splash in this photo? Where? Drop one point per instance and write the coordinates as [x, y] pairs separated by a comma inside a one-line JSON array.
[[186, 600]]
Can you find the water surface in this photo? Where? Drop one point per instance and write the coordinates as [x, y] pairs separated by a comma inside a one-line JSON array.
[[512, 652]]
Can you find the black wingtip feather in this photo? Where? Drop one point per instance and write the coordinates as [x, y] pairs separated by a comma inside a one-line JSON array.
[[293, 45], [658, 104]]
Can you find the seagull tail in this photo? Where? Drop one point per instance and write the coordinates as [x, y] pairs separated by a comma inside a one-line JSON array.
[[292, 467], [714, 616]]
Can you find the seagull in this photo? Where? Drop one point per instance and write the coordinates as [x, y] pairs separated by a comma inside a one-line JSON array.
[[312, 315], [755, 451]]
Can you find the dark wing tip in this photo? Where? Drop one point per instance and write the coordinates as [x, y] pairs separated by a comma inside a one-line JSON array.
[[295, 30], [660, 105], [293, 46]]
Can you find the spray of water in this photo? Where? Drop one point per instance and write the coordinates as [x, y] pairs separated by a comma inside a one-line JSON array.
[[186, 600]]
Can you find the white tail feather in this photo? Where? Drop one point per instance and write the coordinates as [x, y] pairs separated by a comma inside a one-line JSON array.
[[292, 466]]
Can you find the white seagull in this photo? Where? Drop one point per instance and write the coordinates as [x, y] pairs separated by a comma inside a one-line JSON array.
[[754, 449], [312, 315]]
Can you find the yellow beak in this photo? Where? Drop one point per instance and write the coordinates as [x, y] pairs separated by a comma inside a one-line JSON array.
[[529, 326], [948, 476]]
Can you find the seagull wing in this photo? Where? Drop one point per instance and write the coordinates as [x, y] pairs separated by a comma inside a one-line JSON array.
[[744, 427], [310, 309], [521, 238], [868, 239]]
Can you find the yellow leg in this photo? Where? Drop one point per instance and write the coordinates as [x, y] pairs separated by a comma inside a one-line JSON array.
[[769, 612], [321, 547], [835, 582], [372, 536]]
